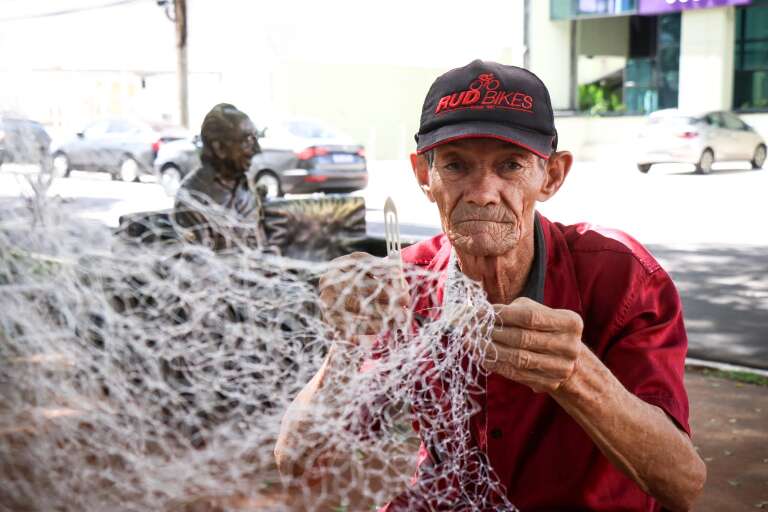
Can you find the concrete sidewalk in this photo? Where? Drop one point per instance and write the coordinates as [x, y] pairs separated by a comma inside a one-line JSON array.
[[730, 430]]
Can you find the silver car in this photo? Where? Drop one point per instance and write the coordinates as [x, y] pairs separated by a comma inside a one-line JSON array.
[[673, 136], [126, 149]]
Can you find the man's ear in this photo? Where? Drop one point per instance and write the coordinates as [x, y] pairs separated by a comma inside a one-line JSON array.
[[218, 149], [420, 168], [556, 169]]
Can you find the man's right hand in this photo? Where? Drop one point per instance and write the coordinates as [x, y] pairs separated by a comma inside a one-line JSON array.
[[363, 295]]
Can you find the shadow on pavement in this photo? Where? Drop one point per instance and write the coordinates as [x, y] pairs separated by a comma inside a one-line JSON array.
[[725, 297]]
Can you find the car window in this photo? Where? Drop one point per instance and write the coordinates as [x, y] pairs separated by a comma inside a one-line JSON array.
[[97, 129], [121, 126], [12, 125], [35, 130], [715, 119], [308, 130], [732, 122]]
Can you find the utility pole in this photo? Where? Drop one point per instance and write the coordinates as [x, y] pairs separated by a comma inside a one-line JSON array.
[[176, 11], [527, 34]]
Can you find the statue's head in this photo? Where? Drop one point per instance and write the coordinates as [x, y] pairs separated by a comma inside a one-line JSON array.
[[229, 138]]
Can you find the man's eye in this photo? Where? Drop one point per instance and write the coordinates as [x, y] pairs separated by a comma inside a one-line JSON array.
[[511, 165], [453, 166]]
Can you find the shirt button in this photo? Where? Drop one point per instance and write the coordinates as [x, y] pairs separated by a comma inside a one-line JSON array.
[[496, 433]]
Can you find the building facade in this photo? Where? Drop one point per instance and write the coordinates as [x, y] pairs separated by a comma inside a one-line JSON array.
[[622, 59], [653, 54]]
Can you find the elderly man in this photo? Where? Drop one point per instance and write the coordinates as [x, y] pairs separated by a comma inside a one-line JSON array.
[[585, 406], [220, 184]]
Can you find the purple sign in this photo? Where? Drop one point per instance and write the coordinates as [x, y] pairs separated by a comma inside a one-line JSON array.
[[664, 6]]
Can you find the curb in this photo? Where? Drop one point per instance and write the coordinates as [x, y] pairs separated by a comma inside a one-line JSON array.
[[727, 367]]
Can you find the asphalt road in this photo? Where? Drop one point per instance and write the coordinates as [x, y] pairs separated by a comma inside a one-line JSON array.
[[708, 231]]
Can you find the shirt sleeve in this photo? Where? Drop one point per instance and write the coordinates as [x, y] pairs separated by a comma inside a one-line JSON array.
[[647, 351]]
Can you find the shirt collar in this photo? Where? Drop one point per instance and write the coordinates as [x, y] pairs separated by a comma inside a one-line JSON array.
[[534, 286]]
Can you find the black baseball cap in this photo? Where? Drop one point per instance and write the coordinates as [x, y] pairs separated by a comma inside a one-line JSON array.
[[488, 100]]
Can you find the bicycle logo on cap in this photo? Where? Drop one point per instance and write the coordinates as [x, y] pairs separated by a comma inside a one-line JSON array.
[[485, 81]]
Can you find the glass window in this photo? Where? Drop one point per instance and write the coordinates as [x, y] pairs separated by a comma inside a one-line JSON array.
[[714, 119], [97, 129], [308, 130], [12, 125], [756, 22], [652, 83], [755, 54], [732, 122], [750, 88], [575, 9], [120, 126]]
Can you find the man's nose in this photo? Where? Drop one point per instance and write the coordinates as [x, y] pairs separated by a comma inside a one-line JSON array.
[[485, 189]]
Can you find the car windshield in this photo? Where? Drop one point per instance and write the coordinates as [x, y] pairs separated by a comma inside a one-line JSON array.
[[309, 130]]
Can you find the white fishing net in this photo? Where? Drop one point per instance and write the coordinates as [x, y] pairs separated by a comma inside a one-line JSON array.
[[142, 377]]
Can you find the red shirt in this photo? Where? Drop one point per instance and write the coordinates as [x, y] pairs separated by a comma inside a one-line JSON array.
[[633, 321]]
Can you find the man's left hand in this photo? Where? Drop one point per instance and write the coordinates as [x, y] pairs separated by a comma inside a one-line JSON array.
[[534, 345]]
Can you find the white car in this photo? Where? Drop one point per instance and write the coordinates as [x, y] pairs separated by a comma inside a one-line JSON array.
[[673, 136]]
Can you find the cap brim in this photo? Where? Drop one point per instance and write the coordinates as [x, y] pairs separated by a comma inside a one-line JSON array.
[[535, 142]]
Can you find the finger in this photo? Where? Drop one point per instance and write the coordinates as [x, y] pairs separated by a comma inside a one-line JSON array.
[[542, 342], [504, 360], [529, 314], [535, 379]]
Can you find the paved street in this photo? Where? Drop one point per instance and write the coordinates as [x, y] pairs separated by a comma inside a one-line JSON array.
[[706, 230]]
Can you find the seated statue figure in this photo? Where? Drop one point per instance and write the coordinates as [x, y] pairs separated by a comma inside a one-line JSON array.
[[216, 204]]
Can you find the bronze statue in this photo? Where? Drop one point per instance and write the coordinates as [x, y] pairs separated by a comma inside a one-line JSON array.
[[216, 203]]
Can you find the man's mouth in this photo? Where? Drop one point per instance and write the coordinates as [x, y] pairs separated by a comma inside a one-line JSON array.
[[495, 221]]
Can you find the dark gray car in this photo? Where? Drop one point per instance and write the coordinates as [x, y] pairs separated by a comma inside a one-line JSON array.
[[297, 157], [125, 149]]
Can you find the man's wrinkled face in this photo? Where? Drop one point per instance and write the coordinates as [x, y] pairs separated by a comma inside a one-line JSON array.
[[486, 191]]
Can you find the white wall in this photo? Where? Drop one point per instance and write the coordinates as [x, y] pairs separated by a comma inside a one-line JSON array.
[[604, 36], [706, 59], [595, 68], [550, 53]]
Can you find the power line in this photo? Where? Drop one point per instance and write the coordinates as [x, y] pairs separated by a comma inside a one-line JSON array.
[[69, 11]]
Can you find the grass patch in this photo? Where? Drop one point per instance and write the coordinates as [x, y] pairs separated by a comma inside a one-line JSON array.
[[743, 377]]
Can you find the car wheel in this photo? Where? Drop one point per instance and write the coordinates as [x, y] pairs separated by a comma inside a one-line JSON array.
[[269, 181], [60, 165], [644, 168], [705, 162], [170, 179], [758, 159], [129, 170]]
